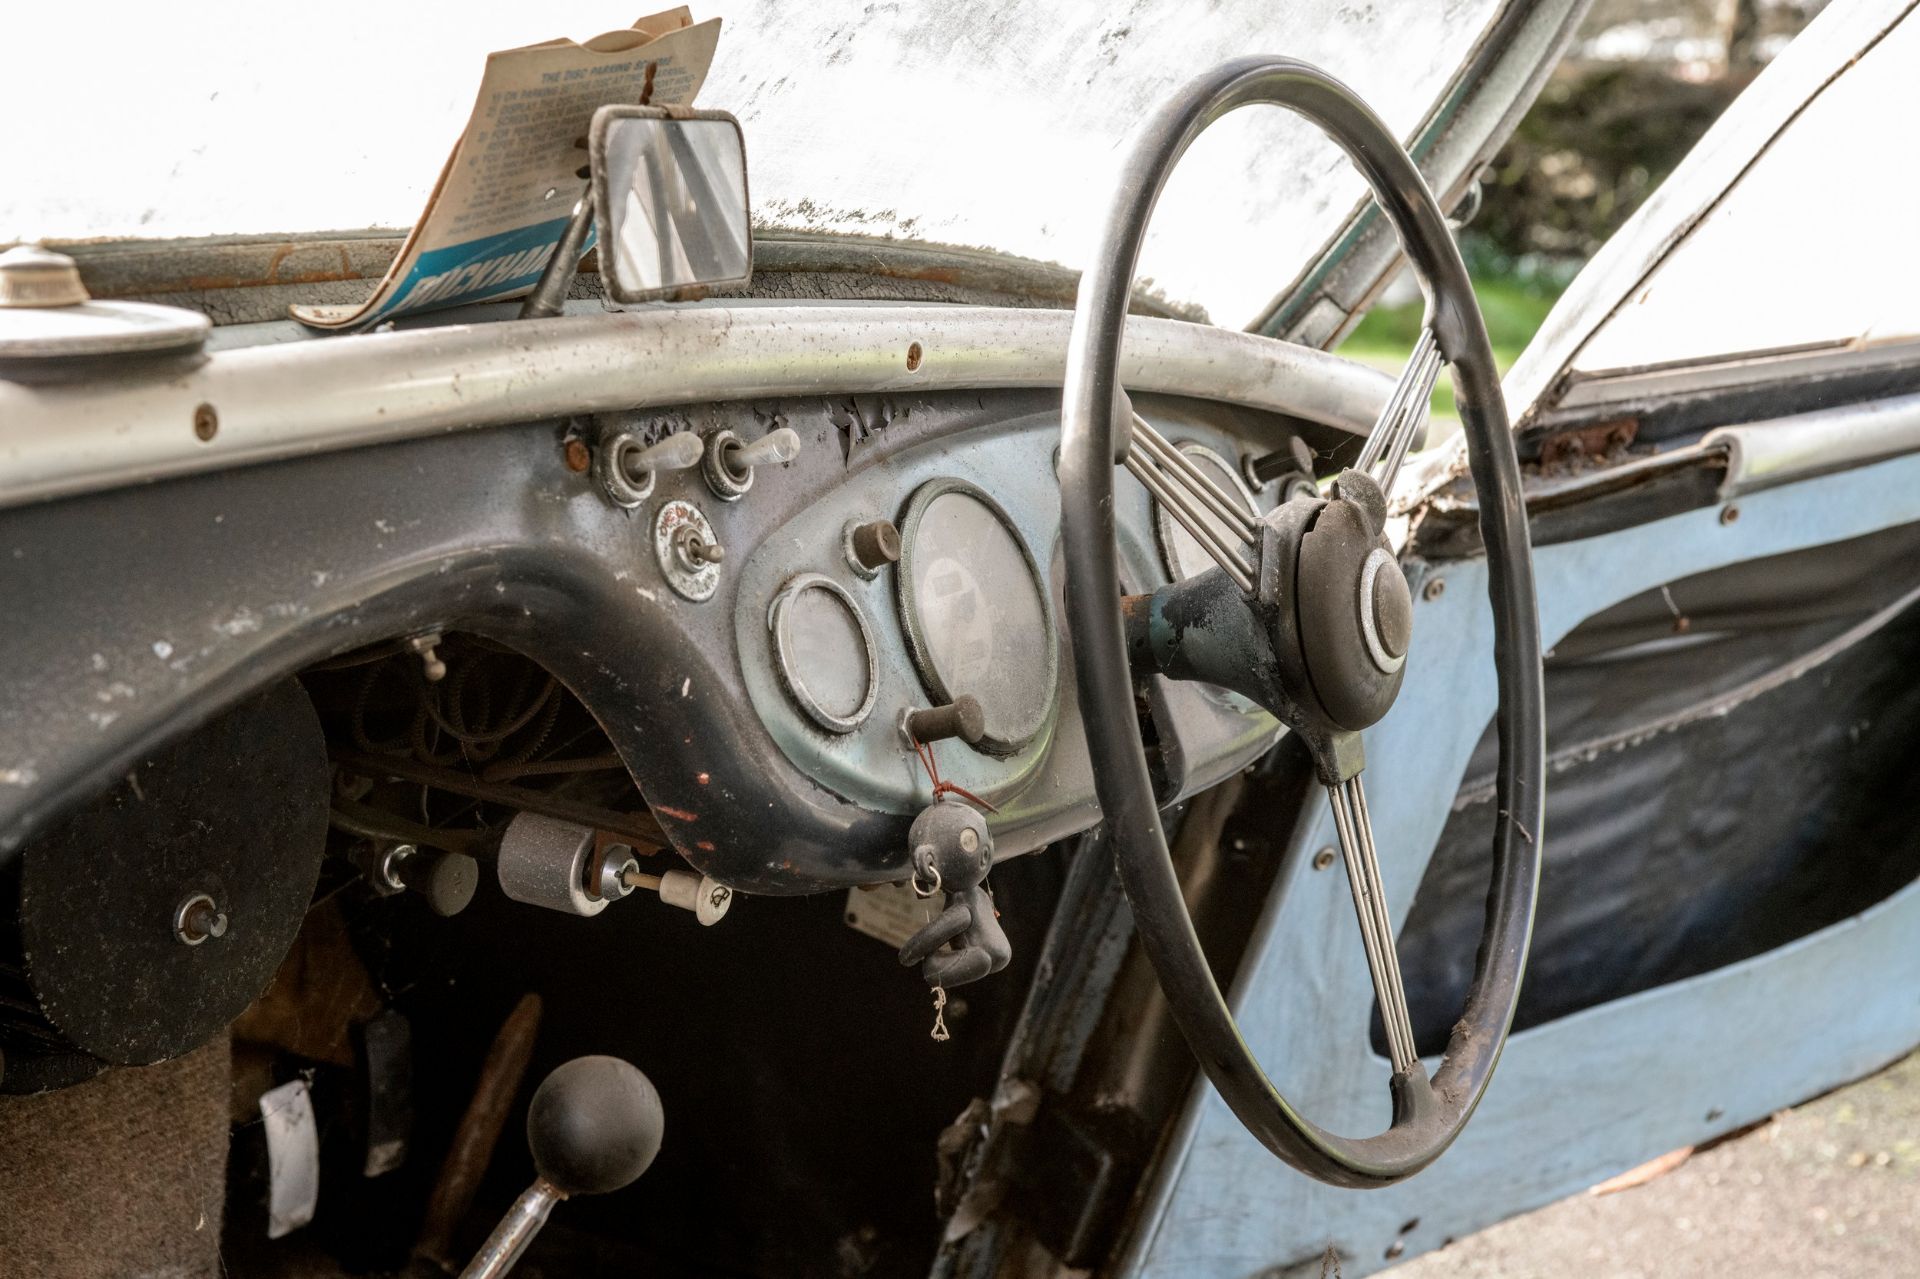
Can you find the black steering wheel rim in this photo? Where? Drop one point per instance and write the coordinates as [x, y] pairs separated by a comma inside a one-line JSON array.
[[1427, 1116]]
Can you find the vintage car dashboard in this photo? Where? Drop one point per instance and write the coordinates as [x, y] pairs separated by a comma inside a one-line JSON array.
[[749, 663], [831, 651]]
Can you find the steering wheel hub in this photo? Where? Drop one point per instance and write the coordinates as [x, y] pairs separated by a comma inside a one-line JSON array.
[[1354, 631]]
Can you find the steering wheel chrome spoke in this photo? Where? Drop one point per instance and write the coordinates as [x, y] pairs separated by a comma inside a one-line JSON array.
[[1192, 497], [1355, 829], [1405, 415]]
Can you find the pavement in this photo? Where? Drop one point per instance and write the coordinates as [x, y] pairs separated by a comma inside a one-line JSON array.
[[1827, 1190]]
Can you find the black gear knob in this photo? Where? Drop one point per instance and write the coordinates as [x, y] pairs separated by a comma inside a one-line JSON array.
[[594, 1126]]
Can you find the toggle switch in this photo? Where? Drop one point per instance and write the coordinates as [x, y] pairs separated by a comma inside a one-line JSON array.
[[730, 461], [627, 468]]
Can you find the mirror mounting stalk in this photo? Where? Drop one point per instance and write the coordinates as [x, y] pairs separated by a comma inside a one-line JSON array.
[[550, 294]]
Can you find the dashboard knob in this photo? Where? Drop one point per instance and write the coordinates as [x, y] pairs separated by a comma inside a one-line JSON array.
[[872, 546], [962, 718], [445, 880]]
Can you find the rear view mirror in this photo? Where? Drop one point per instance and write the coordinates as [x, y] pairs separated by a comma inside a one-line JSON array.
[[670, 201]]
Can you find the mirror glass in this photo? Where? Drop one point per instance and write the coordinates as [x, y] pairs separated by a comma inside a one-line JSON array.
[[671, 201]]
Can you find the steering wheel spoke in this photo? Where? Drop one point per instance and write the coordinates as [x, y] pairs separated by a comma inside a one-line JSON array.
[[1193, 498], [1405, 416], [1357, 851]]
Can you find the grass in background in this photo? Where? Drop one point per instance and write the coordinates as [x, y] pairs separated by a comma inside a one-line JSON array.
[[1514, 303]]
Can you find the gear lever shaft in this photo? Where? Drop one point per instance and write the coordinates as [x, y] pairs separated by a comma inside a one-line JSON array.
[[594, 1126]]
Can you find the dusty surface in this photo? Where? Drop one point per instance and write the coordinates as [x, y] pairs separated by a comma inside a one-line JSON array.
[[1831, 1189]]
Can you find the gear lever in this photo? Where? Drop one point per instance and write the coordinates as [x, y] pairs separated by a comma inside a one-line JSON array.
[[594, 1126]]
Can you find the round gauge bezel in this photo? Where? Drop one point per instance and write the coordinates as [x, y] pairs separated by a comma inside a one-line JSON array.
[[1164, 526], [997, 740], [779, 617]]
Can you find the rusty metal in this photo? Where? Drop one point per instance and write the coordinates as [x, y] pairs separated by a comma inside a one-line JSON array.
[[473, 1142], [638, 828], [1602, 440]]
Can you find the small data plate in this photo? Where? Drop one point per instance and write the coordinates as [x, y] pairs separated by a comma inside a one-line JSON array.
[[891, 913]]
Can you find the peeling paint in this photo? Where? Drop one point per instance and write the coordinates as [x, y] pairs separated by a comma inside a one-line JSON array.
[[243, 622]]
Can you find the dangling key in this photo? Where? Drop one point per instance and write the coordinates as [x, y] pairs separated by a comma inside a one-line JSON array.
[[940, 1034]]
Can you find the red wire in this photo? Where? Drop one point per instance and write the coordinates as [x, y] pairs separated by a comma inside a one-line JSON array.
[[925, 751]]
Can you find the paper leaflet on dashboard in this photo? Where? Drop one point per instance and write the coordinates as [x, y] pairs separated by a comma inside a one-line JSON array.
[[507, 190]]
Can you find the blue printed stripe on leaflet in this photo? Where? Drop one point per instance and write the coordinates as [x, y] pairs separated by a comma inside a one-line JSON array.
[[489, 267]]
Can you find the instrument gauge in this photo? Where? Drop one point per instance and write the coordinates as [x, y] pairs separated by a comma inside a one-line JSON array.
[[824, 651], [1180, 551], [978, 616]]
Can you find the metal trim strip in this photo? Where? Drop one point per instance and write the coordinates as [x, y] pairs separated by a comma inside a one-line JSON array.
[[137, 424]]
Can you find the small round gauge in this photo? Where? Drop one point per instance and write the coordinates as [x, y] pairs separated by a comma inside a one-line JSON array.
[[1180, 550], [824, 651], [977, 614]]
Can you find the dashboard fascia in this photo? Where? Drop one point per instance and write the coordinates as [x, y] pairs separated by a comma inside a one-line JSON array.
[[153, 607]]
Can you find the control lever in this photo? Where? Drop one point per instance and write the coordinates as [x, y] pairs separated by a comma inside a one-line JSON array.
[[594, 1126], [730, 460], [676, 452], [627, 468], [778, 446]]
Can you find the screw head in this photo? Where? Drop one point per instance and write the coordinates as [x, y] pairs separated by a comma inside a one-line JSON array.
[[206, 423], [1323, 859], [579, 457], [1434, 589], [197, 918], [1729, 514]]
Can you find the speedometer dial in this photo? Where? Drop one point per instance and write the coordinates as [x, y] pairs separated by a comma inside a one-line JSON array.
[[976, 611]]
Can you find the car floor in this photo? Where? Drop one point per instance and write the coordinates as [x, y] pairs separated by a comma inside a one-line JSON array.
[[1829, 1188]]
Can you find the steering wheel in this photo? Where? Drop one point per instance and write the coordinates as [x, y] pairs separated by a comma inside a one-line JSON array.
[[1309, 615]]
